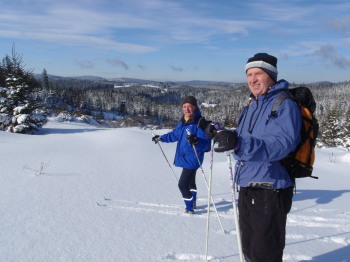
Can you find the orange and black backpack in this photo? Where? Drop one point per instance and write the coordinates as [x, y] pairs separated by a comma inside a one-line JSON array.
[[299, 163]]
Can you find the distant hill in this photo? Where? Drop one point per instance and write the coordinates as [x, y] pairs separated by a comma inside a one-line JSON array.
[[203, 82], [131, 80], [89, 78], [144, 81], [322, 83]]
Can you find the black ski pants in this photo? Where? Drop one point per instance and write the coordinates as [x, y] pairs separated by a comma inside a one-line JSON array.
[[187, 182], [262, 220]]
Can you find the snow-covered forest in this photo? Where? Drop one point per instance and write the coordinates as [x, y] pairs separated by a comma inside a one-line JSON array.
[[140, 104]]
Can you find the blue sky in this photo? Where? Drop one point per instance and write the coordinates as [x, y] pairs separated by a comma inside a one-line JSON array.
[[179, 40]]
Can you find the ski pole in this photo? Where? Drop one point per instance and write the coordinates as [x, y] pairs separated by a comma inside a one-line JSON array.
[[177, 180], [209, 194], [206, 182], [235, 212]]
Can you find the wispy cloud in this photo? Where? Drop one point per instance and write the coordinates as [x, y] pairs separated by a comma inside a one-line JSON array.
[[118, 62], [301, 48], [141, 66], [340, 25], [81, 22], [331, 55], [176, 69], [64, 24], [86, 64]]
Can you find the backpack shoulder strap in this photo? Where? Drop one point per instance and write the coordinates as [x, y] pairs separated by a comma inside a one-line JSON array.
[[203, 123], [283, 95]]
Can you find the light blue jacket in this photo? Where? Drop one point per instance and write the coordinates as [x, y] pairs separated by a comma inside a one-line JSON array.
[[185, 156], [265, 140]]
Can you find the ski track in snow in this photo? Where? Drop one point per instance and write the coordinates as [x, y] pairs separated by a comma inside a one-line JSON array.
[[318, 218], [135, 206], [333, 223], [187, 257]]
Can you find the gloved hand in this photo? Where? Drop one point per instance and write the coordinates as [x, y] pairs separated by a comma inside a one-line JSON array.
[[192, 139], [156, 139], [212, 129], [227, 140]]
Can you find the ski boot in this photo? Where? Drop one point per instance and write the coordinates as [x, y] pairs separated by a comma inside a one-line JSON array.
[[189, 206]]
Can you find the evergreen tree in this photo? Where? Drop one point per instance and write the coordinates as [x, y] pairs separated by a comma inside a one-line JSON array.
[[18, 111], [45, 80]]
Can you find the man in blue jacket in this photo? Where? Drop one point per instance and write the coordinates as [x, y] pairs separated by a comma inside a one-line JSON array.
[[185, 156], [260, 141]]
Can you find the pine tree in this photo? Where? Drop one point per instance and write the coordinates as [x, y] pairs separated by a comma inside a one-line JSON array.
[[45, 80], [18, 110], [331, 129]]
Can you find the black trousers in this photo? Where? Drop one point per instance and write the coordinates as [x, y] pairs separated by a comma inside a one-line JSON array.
[[187, 182], [262, 220]]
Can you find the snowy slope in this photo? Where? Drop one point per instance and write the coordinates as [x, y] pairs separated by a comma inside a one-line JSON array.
[[54, 216]]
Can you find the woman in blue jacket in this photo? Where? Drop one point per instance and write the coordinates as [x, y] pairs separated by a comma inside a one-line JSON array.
[[261, 140], [188, 134]]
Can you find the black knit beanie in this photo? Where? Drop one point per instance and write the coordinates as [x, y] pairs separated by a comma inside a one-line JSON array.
[[266, 62], [191, 100]]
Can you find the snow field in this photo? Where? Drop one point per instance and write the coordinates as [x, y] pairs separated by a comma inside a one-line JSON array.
[[53, 215]]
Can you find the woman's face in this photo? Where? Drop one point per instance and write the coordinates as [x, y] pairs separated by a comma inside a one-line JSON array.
[[188, 109]]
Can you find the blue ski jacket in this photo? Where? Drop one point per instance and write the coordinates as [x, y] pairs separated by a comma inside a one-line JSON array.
[[265, 139], [185, 156]]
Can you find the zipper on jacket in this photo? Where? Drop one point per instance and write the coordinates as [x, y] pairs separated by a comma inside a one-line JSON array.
[[239, 165]]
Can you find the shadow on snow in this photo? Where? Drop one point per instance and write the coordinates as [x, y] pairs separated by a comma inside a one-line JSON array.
[[341, 255], [320, 196]]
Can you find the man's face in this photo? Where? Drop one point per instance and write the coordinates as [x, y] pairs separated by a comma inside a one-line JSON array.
[[259, 81], [188, 109]]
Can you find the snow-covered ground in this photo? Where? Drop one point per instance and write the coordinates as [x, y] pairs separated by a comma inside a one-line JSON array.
[[50, 185]]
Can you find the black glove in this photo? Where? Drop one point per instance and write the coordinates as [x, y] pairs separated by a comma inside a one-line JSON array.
[[192, 139], [156, 139], [212, 129], [227, 140]]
